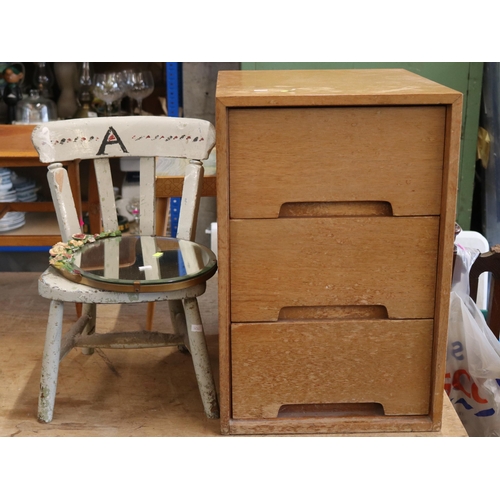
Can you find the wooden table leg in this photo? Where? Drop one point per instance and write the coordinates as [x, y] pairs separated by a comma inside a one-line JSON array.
[[161, 216]]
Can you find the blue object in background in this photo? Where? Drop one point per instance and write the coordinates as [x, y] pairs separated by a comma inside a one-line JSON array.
[[174, 102], [25, 249]]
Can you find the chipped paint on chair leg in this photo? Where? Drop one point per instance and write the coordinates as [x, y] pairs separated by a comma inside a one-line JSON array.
[[50, 362], [201, 362], [90, 310], [178, 319]]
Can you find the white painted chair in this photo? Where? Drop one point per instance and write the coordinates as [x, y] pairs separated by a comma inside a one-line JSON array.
[[99, 139]]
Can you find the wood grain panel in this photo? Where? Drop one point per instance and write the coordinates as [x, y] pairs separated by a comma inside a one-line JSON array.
[[446, 242], [332, 160], [370, 361], [387, 261], [171, 186], [381, 154], [358, 87], [223, 258], [16, 143]]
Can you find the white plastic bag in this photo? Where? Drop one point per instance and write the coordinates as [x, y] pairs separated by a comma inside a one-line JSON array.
[[473, 357]]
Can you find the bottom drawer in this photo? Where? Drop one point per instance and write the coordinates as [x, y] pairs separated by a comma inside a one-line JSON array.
[[304, 368]]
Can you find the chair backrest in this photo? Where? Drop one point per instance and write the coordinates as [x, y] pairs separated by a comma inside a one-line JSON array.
[[484, 275], [146, 137], [488, 263], [475, 240]]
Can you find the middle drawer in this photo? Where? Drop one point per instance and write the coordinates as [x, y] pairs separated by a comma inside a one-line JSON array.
[[279, 265]]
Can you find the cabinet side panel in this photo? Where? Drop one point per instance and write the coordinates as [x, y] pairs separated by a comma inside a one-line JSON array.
[[223, 263], [445, 258]]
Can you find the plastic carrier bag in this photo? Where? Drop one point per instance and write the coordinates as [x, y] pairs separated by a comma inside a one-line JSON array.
[[473, 357]]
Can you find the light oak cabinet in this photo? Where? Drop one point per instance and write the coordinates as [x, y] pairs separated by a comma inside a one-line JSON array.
[[336, 207]]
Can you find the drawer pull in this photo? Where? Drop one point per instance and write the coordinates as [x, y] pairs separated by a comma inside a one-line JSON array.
[[332, 312], [331, 410], [336, 209]]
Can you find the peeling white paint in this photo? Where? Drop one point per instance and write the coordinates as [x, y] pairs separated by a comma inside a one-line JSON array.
[[100, 138]]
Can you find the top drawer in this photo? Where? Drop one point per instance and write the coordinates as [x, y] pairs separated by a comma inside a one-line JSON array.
[[390, 154]]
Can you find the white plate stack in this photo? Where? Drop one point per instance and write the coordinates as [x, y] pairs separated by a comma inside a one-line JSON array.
[[25, 189], [8, 193]]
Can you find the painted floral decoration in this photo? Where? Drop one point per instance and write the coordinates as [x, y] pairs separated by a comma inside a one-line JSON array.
[[62, 255]]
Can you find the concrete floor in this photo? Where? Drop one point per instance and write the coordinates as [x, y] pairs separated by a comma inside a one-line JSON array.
[[144, 392]]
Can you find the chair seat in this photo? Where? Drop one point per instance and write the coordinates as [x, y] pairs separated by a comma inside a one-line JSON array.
[[54, 286]]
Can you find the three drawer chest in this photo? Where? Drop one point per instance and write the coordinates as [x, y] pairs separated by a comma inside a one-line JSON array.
[[336, 193]]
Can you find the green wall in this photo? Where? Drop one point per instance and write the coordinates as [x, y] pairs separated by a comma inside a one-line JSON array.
[[466, 77]]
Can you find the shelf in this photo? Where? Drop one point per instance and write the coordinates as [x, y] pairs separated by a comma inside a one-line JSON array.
[[41, 229], [17, 149]]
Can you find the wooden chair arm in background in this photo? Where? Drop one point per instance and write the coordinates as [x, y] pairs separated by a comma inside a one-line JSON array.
[[488, 262]]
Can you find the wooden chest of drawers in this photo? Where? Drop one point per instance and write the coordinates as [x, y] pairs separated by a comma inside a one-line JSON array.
[[336, 205]]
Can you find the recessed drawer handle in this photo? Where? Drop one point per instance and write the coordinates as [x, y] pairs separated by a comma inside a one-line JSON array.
[[332, 312], [335, 209], [331, 410]]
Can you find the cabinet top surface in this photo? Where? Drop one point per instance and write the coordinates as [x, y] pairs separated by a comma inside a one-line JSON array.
[[330, 87]]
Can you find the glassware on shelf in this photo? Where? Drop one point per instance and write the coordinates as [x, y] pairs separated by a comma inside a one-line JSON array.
[[35, 109], [85, 94], [109, 87], [43, 80], [138, 86]]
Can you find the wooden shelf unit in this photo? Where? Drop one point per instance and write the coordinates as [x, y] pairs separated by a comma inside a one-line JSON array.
[[41, 229]]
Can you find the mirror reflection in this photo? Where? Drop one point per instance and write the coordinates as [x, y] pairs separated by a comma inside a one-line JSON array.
[[145, 259]]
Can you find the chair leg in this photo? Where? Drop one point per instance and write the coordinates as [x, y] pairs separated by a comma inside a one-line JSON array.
[[199, 353], [90, 310], [178, 320], [50, 362]]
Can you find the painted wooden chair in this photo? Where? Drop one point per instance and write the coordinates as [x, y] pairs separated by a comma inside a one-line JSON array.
[[100, 139]]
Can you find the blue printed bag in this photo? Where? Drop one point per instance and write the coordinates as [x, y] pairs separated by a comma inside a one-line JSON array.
[[472, 379]]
